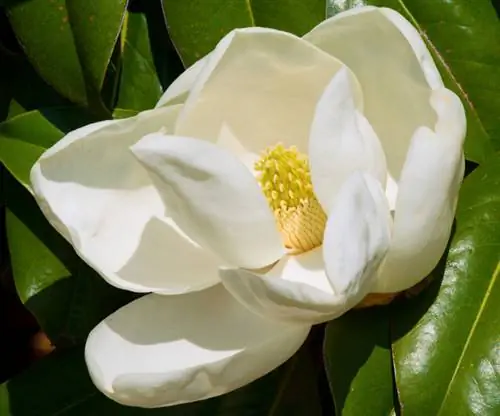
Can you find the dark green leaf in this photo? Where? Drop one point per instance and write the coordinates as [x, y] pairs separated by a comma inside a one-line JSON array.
[[463, 38], [69, 42], [197, 25], [446, 351], [358, 362], [140, 87], [65, 295], [59, 385]]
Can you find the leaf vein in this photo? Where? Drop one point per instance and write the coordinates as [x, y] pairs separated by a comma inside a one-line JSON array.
[[471, 333], [445, 65]]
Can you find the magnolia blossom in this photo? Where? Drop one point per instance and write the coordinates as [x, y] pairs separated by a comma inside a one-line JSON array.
[[277, 183]]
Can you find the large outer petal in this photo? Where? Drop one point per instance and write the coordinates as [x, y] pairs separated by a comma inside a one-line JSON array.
[[94, 192], [213, 198], [160, 351], [341, 141], [427, 197], [395, 70], [260, 86], [178, 91]]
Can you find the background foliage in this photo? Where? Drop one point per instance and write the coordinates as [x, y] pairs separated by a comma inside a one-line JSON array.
[[65, 63]]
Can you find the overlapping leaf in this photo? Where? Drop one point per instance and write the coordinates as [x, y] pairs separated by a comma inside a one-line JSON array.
[[197, 25], [70, 43], [452, 342]]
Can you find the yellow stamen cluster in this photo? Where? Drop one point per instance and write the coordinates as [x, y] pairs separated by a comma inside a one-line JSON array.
[[285, 179]]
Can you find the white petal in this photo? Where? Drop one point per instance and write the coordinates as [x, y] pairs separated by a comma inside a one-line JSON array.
[[396, 73], [427, 197], [357, 237], [214, 199], [161, 351], [296, 289], [178, 91], [93, 191], [260, 84], [341, 141]]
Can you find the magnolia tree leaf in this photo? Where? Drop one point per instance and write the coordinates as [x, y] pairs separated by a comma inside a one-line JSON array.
[[197, 25], [149, 61], [451, 29], [69, 42], [140, 86], [65, 295], [24, 137], [60, 385], [357, 355], [447, 341]]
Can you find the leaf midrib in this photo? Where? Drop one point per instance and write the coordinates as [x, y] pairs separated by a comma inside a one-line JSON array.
[[463, 94], [471, 334], [250, 12]]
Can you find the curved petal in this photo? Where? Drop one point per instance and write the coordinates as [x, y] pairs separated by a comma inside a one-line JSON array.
[[178, 91], [296, 289], [213, 198], [357, 237], [395, 70], [262, 86], [341, 141], [93, 191], [161, 351], [427, 197]]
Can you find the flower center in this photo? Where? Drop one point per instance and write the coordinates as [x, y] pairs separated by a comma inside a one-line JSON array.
[[284, 177]]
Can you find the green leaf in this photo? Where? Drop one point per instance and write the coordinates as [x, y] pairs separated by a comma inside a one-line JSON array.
[[70, 43], [66, 296], [197, 25], [24, 137], [60, 385], [469, 67], [357, 357], [448, 338], [140, 87]]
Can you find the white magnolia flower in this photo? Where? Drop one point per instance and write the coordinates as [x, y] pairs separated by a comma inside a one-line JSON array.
[[278, 182]]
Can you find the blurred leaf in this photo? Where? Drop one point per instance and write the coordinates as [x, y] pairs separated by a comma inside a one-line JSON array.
[[123, 113], [463, 39], [357, 357], [60, 385], [140, 87], [197, 25], [70, 43], [452, 343]]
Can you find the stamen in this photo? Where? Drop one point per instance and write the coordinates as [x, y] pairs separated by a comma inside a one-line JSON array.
[[285, 179]]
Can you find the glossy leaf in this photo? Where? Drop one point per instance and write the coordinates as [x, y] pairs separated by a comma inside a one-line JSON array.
[[197, 25], [446, 348], [357, 357], [469, 67], [69, 42], [140, 87], [60, 385], [66, 296]]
